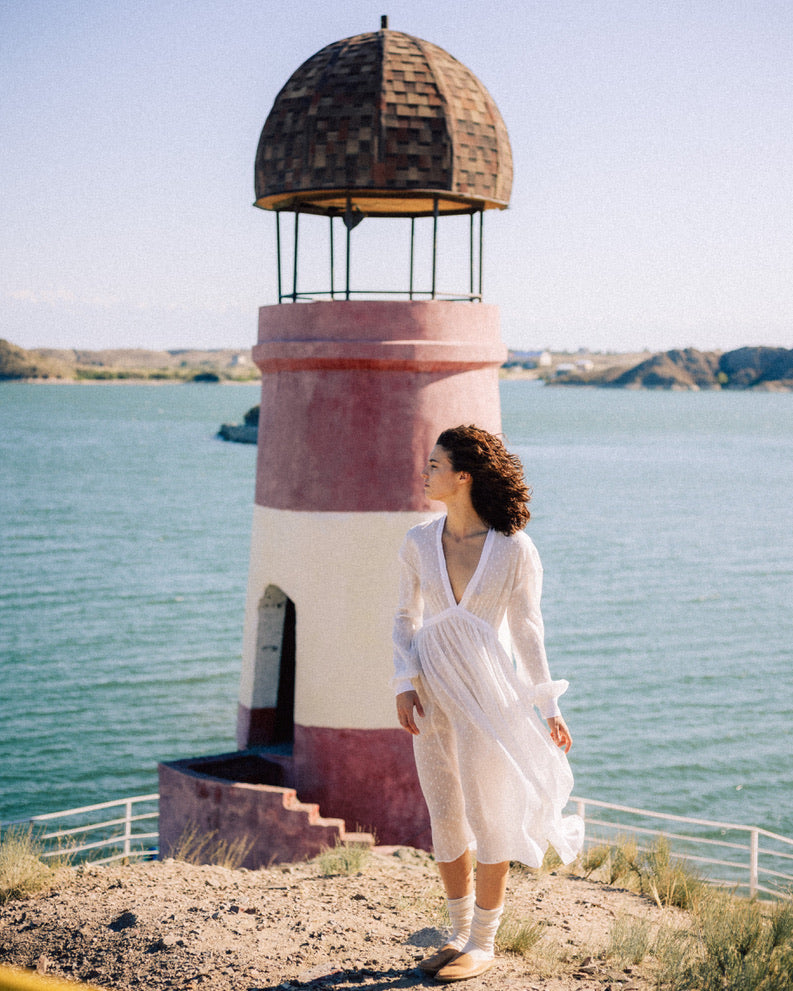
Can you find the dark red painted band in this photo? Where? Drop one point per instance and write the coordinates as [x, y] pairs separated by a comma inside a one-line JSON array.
[[399, 356], [348, 426]]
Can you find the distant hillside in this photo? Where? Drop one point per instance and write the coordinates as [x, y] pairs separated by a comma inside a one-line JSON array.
[[750, 368], [687, 369], [762, 368], [182, 365], [16, 363]]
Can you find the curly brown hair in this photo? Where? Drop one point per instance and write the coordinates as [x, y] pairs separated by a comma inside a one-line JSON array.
[[498, 492]]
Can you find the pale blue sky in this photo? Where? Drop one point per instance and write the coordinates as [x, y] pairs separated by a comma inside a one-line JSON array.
[[653, 148]]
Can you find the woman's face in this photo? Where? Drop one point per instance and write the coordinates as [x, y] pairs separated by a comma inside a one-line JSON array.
[[441, 481]]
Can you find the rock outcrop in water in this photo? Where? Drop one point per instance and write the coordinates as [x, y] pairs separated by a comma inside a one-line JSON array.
[[246, 432]]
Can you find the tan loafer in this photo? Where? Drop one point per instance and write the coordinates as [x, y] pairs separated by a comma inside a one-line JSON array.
[[431, 965], [463, 968]]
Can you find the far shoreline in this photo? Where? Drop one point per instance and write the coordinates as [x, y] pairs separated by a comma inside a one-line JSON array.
[[766, 369], [124, 381]]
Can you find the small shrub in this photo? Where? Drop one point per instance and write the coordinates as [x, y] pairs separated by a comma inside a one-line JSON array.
[[518, 935], [22, 871], [551, 861], [197, 847], [345, 858], [781, 922], [595, 857], [669, 880], [614, 862], [629, 941], [735, 946], [623, 861]]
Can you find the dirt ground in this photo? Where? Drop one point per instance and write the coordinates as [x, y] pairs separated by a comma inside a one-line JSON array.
[[175, 925]]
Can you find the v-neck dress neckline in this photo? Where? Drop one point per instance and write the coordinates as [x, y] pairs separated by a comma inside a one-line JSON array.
[[445, 569]]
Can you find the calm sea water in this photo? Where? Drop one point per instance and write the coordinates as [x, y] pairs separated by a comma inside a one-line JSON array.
[[665, 524]]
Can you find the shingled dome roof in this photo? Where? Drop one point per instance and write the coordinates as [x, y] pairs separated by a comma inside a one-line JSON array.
[[387, 123]]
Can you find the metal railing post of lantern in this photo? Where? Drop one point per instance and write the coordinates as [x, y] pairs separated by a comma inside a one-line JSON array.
[[351, 218], [278, 252], [348, 226], [471, 254], [294, 259], [475, 295], [481, 248], [332, 279], [434, 243], [412, 242]]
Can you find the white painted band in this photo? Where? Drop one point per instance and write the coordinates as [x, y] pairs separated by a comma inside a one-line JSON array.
[[341, 572]]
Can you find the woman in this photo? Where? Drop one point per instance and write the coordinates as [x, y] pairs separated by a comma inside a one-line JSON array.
[[494, 779]]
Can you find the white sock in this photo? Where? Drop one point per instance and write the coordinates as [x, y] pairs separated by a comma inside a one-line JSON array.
[[461, 911], [481, 943]]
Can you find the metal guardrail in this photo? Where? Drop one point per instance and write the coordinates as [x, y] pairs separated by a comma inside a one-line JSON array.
[[746, 858], [120, 834]]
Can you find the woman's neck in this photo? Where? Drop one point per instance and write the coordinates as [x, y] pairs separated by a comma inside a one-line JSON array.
[[463, 522]]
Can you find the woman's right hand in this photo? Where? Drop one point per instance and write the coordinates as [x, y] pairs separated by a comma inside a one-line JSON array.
[[560, 734], [408, 706]]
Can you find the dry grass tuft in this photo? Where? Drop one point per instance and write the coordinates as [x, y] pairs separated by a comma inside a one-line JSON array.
[[734, 944], [23, 872], [629, 941], [345, 858], [518, 935], [198, 847], [669, 881]]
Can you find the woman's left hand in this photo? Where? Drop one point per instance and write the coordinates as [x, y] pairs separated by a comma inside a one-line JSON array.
[[560, 734], [406, 702]]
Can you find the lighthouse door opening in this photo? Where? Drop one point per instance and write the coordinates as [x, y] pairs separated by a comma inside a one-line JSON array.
[[274, 674]]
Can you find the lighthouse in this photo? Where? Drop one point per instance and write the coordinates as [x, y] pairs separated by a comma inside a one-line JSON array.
[[354, 394], [389, 131]]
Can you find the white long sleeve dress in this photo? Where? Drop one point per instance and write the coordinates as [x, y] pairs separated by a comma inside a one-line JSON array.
[[492, 777]]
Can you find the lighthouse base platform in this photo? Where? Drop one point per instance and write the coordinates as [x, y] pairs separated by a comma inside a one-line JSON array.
[[242, 807]]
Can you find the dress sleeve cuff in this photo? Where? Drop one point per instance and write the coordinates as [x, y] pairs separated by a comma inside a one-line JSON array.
[[545, 697], [401, 685]]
